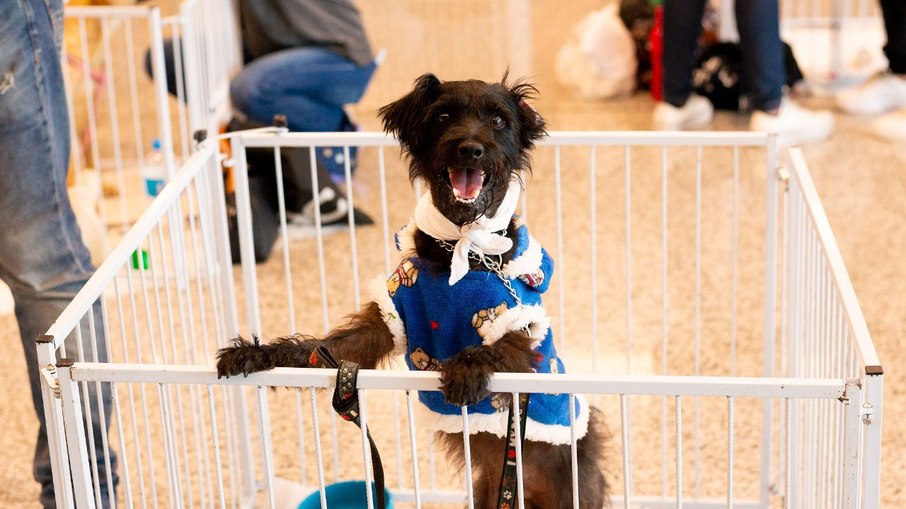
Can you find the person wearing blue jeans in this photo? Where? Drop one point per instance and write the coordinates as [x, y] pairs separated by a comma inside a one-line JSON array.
[[758, 24], [308, 85], [885, 93], [42, 256], [305, 59]]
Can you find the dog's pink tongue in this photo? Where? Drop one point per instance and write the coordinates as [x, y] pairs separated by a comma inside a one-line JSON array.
[[467, 182]]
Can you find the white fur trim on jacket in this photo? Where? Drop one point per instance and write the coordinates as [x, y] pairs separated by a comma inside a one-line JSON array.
[[405, 239], [380, 295], [526, 263], [496, 424], [535, 317]]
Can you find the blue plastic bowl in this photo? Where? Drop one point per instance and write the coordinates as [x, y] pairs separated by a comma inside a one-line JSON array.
[[344, 495]]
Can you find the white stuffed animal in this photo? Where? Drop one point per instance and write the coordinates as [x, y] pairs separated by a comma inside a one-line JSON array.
[[599, 58]]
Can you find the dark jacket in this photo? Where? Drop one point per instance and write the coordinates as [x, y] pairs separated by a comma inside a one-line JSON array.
[[274, 25]]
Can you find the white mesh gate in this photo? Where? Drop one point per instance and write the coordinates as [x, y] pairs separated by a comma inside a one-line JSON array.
[[699, 301]]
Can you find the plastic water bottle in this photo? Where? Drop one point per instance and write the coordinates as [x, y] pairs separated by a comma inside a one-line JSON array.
[[153, 171]]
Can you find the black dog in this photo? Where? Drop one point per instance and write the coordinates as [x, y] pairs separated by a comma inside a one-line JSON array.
[[466, 298]]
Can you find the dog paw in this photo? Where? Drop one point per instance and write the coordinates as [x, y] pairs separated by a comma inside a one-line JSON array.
[[243, 357], [464, 378]]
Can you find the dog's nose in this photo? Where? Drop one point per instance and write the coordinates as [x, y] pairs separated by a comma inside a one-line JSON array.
[[471, 150]]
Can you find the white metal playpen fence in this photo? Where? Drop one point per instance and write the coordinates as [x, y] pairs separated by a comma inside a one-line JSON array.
[[111, 97], [700, 302]]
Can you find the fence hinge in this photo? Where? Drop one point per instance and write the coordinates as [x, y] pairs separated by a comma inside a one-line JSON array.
[[866, 412], [783, 175], [50, 378]]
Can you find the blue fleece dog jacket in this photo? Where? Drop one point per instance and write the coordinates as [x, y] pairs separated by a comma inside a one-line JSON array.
[[432, 321]]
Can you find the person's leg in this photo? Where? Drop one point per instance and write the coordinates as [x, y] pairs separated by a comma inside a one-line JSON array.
[[895, 24], [308, 85], [762, 54], [42, 257], [680, 107], [758, 23], [887, 91], [682, 26]]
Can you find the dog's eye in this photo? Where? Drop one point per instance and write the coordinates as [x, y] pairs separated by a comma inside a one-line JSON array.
[[443, 117], [497, 122]]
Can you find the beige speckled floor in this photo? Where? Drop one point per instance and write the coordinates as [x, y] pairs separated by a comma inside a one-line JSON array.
[[861, 179]]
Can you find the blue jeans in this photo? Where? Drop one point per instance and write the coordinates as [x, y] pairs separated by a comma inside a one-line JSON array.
[[758, 22], [895, 25], [309, 85], [42, 256]]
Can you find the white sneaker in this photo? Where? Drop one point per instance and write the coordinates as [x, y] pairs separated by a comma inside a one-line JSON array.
[[794, 124], [883, 93], [695, 113], [891, 126]]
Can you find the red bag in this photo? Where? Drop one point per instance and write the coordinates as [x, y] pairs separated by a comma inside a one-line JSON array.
[[656, 42]]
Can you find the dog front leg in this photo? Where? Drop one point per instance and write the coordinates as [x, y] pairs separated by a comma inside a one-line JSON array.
[[363, 339], [464, 377]]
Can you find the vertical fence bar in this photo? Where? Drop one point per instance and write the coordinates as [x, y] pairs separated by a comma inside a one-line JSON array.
[[366, 449], [287, 266], [851, 443], [696, 456], [561, 299], [593, 231], [317, 436], [75, 433], [665, 313], [467, 453], [216, 439], [412, 444], [573, 451], [731, 464], [873, 386], [53, 411], [267, 452], [517, 422], [627, 452], [244, 226], [679, 452], [628, 212], [159, 68], [300, 430], [788, 477], [770, 292]]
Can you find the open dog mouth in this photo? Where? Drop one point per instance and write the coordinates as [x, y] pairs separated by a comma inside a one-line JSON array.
[[466, 183]]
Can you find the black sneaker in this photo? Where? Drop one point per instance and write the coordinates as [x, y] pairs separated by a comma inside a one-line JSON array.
[[334, 215]]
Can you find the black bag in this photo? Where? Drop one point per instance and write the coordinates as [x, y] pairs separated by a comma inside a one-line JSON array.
[[298, 195], [719, 75]]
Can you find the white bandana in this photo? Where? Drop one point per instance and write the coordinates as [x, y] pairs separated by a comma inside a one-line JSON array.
[[477, 237]]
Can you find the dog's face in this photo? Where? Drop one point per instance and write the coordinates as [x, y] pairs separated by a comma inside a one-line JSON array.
[[466, 140]]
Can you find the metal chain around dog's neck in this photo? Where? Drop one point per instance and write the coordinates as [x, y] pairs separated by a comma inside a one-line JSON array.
[[491, 265], [495, 267]]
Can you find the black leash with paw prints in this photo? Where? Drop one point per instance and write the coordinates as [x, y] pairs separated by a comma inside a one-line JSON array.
[[346, 403], [506, 498]]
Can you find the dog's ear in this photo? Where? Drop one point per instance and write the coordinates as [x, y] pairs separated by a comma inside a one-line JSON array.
[[404, 117], [532, 125]]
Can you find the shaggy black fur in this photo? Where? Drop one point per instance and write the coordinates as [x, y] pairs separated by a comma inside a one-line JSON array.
[[485, 129]]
